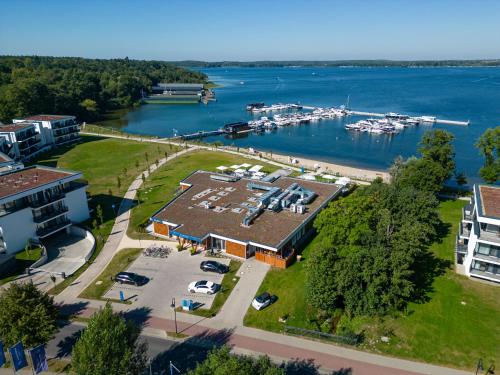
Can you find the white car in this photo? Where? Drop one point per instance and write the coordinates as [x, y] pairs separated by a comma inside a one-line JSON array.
[[203, 286], [263, 300]]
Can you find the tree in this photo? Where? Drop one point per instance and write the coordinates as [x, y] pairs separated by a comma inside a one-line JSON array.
[[221, 362], [436, 145], [137, 165], [367, 246], [146, 156], [489, 147], [166, 155], [27, 315], [109, 346], [118, 182]]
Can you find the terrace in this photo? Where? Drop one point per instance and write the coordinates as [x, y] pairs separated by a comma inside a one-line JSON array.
[[490, 233]]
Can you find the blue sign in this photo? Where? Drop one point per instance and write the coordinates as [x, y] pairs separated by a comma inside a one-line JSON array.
[[39, 359], [122, 297], [18, 356], [2, 355]]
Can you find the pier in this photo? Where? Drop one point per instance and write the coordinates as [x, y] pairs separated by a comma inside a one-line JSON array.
[[436, 121], [200, 134]]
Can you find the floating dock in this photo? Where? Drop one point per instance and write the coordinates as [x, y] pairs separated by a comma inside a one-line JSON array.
[[436, 121]]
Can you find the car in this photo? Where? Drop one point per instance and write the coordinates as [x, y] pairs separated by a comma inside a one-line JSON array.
[[203, 286], [263, 300], [213, 266], [130, 278]]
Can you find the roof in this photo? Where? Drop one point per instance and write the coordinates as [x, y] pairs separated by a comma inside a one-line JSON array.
[[490, 200], [11, 128], [268, 229], [29, 178], [47, 117], [5, 158]]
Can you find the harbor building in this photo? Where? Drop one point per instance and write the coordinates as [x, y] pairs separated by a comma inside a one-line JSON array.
[[55, 130], [478, 240], [172, 93], [21, 140], [37, 202], [243, 217]]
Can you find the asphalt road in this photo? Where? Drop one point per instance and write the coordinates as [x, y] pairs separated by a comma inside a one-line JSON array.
[[60, 346]]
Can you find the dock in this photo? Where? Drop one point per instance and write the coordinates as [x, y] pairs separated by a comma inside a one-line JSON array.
[[436, 121], [200, 134]]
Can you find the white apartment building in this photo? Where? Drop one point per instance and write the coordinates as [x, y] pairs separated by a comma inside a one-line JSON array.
[[55, 130], [478, 240], [36, 202], [21, 140]]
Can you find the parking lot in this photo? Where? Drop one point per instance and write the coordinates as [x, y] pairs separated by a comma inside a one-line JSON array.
[[169, 278]]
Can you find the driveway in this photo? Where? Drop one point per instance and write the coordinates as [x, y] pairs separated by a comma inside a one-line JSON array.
[[169, 279]]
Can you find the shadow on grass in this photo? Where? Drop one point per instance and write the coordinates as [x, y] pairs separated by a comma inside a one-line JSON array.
[[187, 354], [428, 266], [138, 316]]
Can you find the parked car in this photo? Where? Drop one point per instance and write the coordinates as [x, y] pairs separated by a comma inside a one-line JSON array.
[[203, 286], [263, 300], [131, 278], [213, 266]]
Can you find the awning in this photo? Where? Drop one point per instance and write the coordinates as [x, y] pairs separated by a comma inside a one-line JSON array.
[[256, 168], [185, 236]]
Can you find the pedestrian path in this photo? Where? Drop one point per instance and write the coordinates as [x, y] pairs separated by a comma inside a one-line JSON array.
[[251, 273]]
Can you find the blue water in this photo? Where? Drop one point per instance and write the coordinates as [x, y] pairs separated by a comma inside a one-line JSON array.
[[449, 93]]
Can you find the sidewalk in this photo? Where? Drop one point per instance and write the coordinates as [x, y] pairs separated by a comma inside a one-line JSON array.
[[114, 241]]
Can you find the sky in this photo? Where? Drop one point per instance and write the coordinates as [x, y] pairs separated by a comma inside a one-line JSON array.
[[216, 30]]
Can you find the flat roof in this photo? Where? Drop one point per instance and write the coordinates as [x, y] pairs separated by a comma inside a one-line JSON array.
[[29, 178], [11, 128], [490, 200], [47, 117], [268, 229]]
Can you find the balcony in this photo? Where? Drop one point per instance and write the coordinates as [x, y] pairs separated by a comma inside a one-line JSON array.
[[23, 145], [467, 212], [48, 200], [65, 124], [460, 247], [21, 137], [67, 139], [487, 258], [48, 230], [463, 231], [488, 235], [485, 275], [50, 215], [65, 131]]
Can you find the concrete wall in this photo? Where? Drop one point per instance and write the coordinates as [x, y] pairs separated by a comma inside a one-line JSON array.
[[76, 201], [18, 227]]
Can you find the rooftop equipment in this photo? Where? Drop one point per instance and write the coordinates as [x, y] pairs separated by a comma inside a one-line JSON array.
[[224, 178]]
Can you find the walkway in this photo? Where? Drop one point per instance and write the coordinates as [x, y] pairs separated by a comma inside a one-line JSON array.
[[251, 273], [115, 239]]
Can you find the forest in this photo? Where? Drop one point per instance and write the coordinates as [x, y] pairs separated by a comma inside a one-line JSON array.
[[87, 88]]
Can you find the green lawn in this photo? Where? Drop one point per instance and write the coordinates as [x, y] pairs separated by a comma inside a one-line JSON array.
[[160, 187], [119, 263], [442, 330], [228, 283], [102, 161], [24, 259]]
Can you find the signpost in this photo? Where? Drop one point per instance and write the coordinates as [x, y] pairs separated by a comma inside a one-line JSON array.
[[39, 359], [18, 357], [2, 355]]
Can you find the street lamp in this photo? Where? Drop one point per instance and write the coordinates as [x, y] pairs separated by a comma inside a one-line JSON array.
[[172, 305], [479, 365]]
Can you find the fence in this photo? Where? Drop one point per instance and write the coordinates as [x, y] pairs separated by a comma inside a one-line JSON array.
[[349, 340]]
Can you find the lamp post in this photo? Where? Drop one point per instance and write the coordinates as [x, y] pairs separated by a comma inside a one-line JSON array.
[[479, 365], [172, 305]]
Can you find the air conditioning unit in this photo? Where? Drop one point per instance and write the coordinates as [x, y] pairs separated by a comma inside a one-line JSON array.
[[301, 209], [293, 207]]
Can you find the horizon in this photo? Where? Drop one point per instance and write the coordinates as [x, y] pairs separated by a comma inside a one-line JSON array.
[[316, 30]]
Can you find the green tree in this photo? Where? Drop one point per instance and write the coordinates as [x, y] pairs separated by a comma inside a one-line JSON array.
[[109, 346], [436, 145], [137, 165], [489, 147], [221, 362], [27, 315], [118, 182]]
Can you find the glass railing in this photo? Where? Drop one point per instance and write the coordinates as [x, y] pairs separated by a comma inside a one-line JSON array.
[[48, 200], [50, 215], [46, 230]]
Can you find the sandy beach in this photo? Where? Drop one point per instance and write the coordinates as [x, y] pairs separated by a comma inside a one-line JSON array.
[[329, 168]]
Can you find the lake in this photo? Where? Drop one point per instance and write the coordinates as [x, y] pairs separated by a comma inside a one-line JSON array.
[[449, 93]]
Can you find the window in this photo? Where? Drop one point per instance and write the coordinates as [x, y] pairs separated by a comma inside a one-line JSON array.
[[218, 244]]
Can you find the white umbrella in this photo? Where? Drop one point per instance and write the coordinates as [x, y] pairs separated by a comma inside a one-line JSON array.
[[234, 166], [239, 171], [222, 168], [256, 168], [245, 165], [308, 177], [328, 177]]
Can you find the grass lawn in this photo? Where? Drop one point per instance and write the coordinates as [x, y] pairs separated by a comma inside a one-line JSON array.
[[119, 263], [23, 260], [161, 186], [102, 161], [228, 283], [442, 330]]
